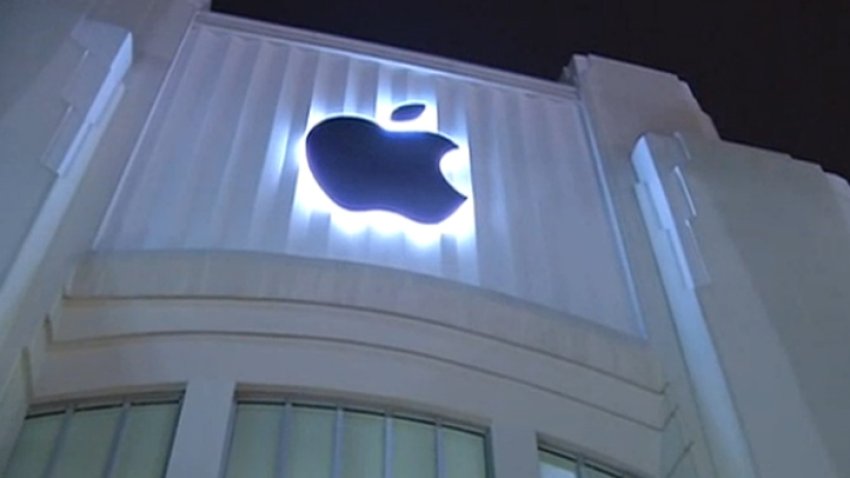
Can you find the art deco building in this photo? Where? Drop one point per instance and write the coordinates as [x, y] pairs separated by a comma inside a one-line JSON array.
[[621, 293]]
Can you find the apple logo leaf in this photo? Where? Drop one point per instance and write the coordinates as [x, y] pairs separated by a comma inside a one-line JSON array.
[[408, 112]]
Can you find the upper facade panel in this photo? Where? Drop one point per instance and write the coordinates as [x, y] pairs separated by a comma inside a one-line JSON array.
[[228, 162]]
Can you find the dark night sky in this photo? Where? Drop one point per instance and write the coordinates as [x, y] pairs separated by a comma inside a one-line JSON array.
[[771, 73]]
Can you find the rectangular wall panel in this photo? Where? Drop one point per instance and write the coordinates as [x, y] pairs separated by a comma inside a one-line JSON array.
[[222, 167]]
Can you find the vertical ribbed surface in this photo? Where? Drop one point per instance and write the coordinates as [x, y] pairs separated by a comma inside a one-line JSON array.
[[220, 167]]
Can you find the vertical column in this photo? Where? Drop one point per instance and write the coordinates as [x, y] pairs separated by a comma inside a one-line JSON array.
[[753, 248], [13, 408], [32, 289], [201, 438], [513, 450], [620, 103]]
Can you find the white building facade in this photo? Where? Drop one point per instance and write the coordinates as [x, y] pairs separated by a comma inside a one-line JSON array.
[[621, 293]]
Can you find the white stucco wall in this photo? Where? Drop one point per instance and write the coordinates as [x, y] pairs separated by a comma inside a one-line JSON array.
[[754, 249]]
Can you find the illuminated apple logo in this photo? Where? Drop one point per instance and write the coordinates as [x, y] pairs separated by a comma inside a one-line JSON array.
[[363, 167]]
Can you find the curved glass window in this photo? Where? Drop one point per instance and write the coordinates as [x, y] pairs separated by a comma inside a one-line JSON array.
[[294, 440], [112, 439]]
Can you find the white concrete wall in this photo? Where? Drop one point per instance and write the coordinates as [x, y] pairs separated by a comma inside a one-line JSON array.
[[756, 256], [620, 103], [137, 321], [54, 103], [51, 208]]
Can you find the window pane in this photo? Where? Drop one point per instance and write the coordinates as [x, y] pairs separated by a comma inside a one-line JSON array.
[[363, 446], [255, 443], [310, 443], [591, 471], [464, 454], [310, 435], [556, 466], [413, 449], [87, 442], [32, 450], [146, 441]]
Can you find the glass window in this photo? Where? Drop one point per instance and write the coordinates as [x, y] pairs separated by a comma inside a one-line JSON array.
[[556, 466], [148, 434], [255, 434], [35, 442], [121, 439], [363, 445], [85, 444], [414, 449], [322, 442], [310, 443], [465, 453], [561, 465]]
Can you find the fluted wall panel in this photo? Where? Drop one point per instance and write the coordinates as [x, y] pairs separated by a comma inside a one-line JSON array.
[[221, 167]]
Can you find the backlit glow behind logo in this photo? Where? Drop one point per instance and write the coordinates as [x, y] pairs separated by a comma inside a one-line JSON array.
[[392, 174]]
